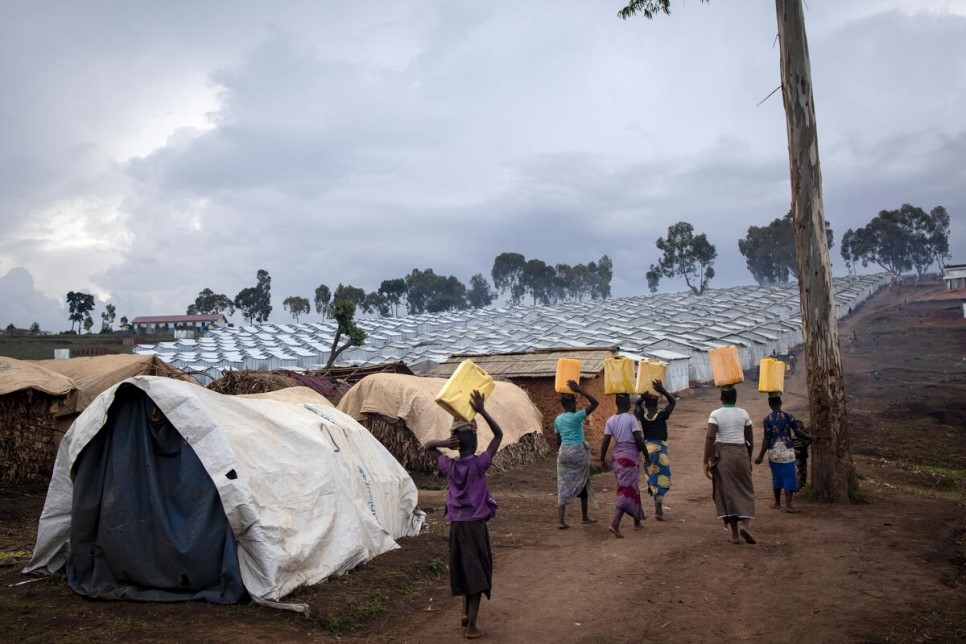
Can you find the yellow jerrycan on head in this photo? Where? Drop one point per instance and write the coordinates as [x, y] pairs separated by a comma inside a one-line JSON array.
[[618, 375], [648, 371], [454, 397], [771, 375], [567, 369], [725, 366]]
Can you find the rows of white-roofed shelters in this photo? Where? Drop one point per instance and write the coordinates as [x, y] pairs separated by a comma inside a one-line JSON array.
[[759, 320]]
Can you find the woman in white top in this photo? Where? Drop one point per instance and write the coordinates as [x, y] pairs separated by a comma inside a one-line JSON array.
[[727, 462]]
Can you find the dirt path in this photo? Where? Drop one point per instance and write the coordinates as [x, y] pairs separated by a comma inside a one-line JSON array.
[[830, 571]]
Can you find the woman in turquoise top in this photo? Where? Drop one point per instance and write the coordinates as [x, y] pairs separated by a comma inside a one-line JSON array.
[[573, 457]]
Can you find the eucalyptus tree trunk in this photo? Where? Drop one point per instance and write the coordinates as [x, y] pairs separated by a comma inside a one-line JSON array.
[[833, 470]]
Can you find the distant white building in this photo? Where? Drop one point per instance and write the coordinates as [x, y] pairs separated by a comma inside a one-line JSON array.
[[955, 276], [160, 324]]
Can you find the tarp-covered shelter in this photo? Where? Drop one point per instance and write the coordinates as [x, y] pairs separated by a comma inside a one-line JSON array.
[[167, 491], [300, 395], [94, 375], [401, 411]]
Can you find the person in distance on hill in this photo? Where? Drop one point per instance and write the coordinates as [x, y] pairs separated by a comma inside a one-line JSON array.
[[727, 462], [781, 428], [625, 462], [654, 426], [468, 508], [573, 455]]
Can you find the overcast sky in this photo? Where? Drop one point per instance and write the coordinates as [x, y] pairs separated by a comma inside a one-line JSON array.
[[151, 150]]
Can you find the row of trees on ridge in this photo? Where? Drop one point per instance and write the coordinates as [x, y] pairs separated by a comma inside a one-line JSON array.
[[895, 240]]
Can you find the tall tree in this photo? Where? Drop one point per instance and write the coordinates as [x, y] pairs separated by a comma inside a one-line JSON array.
[[296, 306], [246, 302], [601, 273], [348, 293], [934, 248], [902, 239], [769, 251], [393, 291], [420, 287], [685, 255], [480, 294], [107, 318], [377, 302], [79, 305], [576, 280], [539, 280], [427, 292], [343, 312], [848, 248], [449, 295], [209, 303], [322, 298], [255, 302], [833, 469], [507, 275]]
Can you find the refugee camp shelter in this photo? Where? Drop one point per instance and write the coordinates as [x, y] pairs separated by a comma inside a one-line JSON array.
[[401, 411], [762, 319], [678, 378], [166, 491], [93, 375]]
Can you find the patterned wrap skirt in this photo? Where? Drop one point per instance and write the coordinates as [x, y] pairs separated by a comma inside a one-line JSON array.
[[732, 488], [626, 464], [659, 471], [573, 472]]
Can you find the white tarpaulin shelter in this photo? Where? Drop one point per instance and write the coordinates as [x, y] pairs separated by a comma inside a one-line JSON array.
[[305, 490]]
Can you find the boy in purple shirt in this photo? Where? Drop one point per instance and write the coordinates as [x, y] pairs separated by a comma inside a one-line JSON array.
[[468, 507]]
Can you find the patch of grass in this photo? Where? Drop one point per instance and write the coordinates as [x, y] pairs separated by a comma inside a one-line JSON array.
[[41, 347], [438, 567], [359, 611]]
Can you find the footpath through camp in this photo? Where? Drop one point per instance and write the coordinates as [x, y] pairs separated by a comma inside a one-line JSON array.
[[890, 568]]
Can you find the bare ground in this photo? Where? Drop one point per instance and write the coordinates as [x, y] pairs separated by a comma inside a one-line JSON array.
[[891, 569]]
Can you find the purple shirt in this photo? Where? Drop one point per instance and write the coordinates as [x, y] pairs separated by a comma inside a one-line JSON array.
[[622, 427], [468, 499]]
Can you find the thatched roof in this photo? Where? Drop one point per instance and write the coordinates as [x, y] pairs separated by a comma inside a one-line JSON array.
[[352, 375], [541, 363]]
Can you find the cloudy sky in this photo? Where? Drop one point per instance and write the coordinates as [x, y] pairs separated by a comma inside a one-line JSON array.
[[151, 150]]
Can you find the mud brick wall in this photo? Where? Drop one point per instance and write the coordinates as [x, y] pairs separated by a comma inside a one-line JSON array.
[[547, 400]]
